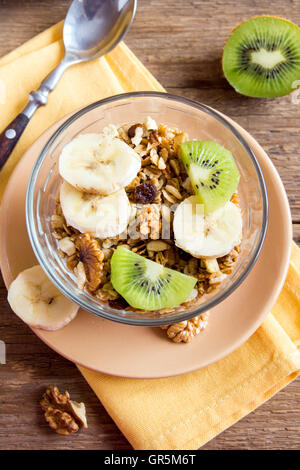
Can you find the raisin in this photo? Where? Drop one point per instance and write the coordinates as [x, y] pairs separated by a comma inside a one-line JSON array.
[[131, 130], [118, 304], [144, 193], [183, 254]]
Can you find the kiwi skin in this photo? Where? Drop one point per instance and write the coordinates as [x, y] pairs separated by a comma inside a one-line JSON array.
[[233, 31]]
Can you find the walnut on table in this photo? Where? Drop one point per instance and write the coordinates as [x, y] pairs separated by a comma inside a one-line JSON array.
[[185, 331], [63, 415]]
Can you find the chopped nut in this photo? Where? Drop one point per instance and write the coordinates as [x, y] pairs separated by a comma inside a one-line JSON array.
[[211, 265], [180, 138], [185, 331], [164, 154], [132, 129], [123, 134], [157, 245], [57, 221], [150, 124], [161, 164], [67, 246], [217, 278], [62, 414], [136, 140], [91, 256], [154, 157], [154, 137], [81, 276]]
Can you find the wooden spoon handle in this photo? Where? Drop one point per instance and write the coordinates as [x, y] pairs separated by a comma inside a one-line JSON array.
[[10, 137], [37, 98]]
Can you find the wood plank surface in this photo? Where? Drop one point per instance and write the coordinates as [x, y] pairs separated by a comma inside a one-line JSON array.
[[181, 42]]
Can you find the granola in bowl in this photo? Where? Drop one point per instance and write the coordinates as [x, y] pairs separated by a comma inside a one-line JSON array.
[[151, 195]]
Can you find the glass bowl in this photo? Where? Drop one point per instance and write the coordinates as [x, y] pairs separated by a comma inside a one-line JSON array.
[[200, 122]]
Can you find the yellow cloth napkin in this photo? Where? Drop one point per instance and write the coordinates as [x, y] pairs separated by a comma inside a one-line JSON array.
[[186, 411]]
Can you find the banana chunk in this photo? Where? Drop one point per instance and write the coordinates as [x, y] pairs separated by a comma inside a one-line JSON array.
[[98, 163], [34, 298], [101, 216], [211, 235]]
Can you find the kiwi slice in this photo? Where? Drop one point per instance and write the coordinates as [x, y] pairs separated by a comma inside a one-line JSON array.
[[212, 171], [261, 58], [147, 285]]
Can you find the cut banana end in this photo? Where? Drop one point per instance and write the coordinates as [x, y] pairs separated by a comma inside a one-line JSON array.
[[209, 236], [99, 164], [34, 298], [102, 217]]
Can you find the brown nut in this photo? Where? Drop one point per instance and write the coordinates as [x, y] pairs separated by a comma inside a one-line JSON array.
[[63, 415], [185, 331], [92, 257], [132, 129]]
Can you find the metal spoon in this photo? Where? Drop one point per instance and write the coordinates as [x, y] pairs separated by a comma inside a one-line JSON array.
[[92, 28]]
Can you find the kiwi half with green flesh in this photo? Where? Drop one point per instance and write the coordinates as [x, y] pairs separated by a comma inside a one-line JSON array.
[[261, 58], [147, 285], [212, 171]]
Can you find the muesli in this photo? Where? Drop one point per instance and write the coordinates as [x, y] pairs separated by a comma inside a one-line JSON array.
[[145, 192]]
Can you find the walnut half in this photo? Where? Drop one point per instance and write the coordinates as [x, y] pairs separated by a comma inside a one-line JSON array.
[[62, 414], [92, 258], [185, 331]]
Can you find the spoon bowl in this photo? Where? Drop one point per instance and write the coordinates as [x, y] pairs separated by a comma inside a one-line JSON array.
[[92, 28]]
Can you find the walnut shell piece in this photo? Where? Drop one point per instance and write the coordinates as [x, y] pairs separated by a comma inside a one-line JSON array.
[[92, 257], [63, 415]]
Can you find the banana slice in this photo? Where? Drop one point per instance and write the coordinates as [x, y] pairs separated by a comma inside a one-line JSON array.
[[34, 298], [101, 216], [98, 163], [213, 235]]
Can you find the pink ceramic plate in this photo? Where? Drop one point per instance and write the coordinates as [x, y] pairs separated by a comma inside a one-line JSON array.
[[144, 352]]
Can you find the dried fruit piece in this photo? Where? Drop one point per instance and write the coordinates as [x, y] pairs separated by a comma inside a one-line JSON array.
[[144, 193], [91, 256], [62, 414], [119, 304]]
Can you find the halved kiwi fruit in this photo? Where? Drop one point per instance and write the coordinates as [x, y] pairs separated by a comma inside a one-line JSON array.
[[212, 171], [261, 58], [147, 285]]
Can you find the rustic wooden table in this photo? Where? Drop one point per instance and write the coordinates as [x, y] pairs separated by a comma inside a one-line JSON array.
[[180, 41]]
